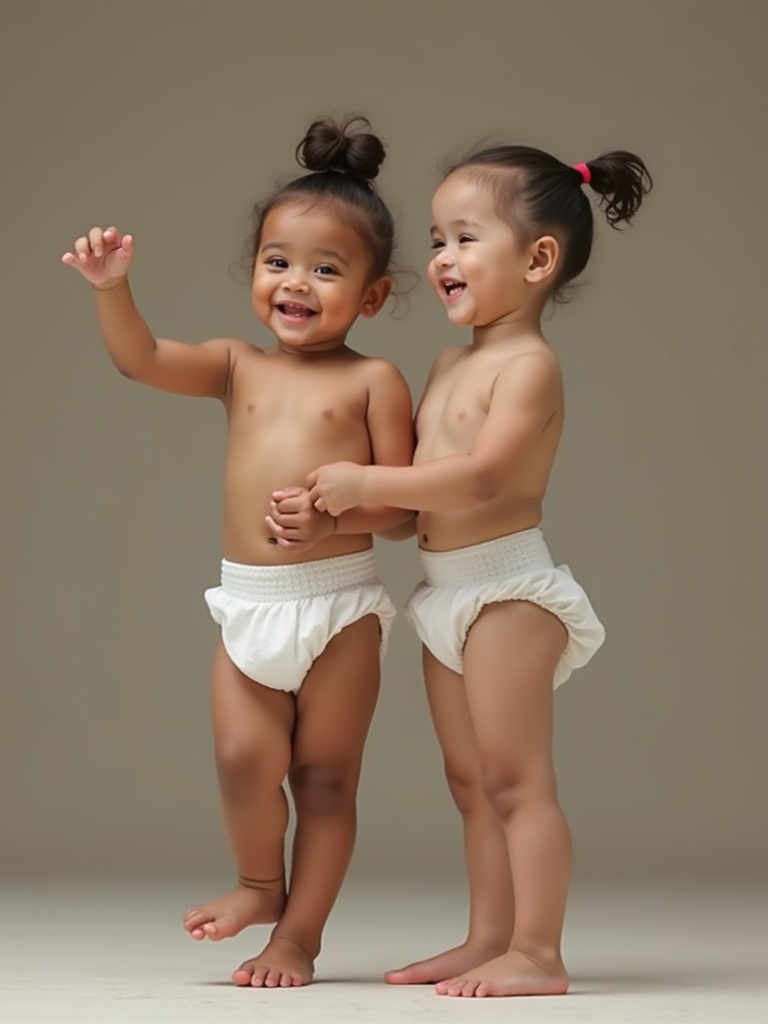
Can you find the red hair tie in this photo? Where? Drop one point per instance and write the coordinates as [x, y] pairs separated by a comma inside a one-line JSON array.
[[584, 171]]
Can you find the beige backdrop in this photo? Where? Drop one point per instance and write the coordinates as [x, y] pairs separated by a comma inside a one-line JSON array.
[[170, 119]]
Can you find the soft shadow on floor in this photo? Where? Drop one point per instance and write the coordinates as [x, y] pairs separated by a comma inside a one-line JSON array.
[[666, 978]]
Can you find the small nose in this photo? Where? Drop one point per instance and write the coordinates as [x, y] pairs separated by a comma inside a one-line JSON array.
[[443, 257], [296, 282]]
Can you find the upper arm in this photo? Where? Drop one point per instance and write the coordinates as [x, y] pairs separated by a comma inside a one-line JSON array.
[[390, 417], [196, 370], [526, 395]]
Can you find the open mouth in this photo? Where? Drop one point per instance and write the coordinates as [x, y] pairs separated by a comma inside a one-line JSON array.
[[295, 310], [453, 288]]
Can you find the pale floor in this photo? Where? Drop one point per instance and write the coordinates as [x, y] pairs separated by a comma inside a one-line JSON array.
[[108, 952]]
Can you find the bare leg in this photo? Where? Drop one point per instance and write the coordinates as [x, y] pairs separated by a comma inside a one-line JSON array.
[[334, 711], [509, 664], [491, 906], [252, 728]]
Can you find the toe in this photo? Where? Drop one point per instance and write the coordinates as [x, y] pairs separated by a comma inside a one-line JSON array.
[[242, 976], [455, 986], [396, 977], [259, 974]]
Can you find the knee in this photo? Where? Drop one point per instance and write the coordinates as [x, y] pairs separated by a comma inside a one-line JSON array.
[[465, 787], [507, 788], [242, 766], [322, 789]]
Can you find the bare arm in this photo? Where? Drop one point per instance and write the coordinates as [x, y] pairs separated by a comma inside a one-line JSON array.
[[525, 396], [390, 427], [103, 258]]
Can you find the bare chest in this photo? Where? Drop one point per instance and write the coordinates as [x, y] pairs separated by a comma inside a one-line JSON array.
[[270, 398], [453, 410]]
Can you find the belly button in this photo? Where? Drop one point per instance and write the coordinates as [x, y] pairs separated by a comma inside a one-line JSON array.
[[273, 540], [424, 539]]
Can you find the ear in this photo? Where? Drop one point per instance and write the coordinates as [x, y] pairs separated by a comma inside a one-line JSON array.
[[544, 259], [375, 297]]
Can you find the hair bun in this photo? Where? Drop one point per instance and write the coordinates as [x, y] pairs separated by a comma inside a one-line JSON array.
[[348, 148]]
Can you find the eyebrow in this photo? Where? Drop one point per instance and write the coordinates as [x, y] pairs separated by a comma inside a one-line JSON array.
[[330, 253], [461, 222]]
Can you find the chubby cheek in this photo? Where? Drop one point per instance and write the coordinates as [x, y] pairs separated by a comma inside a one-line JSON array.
[[474, 268], [432, 278], [261, 301]]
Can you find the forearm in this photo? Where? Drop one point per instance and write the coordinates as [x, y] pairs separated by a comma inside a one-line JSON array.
[[442, 485], [128, 340], [371, 518]]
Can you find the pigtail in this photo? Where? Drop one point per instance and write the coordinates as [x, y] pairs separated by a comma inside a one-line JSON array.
[[622, 180]]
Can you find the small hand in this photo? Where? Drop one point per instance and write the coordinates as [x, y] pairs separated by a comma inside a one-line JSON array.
[[295, 521], [102, 257], [337, 487]]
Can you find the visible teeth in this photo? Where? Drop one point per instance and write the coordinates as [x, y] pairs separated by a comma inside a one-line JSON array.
[[453, 286], [293, 309]]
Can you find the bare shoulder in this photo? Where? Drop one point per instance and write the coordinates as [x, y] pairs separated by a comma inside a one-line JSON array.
[[529, 379], [237, 348], [446, 358], [536, 364], [241, 353], [381, 372]]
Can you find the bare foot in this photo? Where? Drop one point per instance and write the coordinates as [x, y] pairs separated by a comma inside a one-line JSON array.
[[243, 906], [512, 974], [449, 964], [281, 964]]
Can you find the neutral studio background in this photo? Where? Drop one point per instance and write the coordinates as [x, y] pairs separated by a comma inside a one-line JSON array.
[[169, 119]]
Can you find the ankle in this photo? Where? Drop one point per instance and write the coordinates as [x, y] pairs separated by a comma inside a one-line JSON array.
[[493, 943], [271, 886], [544, 956], [308, 944]]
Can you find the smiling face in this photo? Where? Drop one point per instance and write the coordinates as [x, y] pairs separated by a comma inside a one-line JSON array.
[[482, 273], [311, 277]]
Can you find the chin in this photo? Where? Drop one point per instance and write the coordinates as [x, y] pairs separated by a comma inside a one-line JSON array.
[[459, 318]]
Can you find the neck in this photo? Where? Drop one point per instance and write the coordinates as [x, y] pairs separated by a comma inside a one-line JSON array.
[[518, 323], [322, 350]]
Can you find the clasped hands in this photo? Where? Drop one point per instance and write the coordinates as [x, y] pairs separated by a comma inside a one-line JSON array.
[[302, 516]]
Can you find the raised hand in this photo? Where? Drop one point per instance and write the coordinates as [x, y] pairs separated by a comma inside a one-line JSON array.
[[295, 521], [337, 487], [102, 257]]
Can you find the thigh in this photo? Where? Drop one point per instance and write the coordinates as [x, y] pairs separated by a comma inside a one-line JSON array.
[[337, 700], [250, 721], [510, 658]]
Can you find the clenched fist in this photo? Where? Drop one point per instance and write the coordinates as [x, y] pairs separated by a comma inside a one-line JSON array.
[[337, 487]]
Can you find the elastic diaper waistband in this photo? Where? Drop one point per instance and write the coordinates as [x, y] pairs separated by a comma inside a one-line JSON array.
[[493, 559], [300, 580]]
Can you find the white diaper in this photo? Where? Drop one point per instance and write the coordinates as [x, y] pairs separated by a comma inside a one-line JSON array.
[[459, 584], [276, 620]]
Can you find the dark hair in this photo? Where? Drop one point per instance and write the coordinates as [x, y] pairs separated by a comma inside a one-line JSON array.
[[343, 160], [536, 193]]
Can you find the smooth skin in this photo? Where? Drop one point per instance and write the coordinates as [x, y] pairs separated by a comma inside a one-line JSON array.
[[305, 400], [488, 429]]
